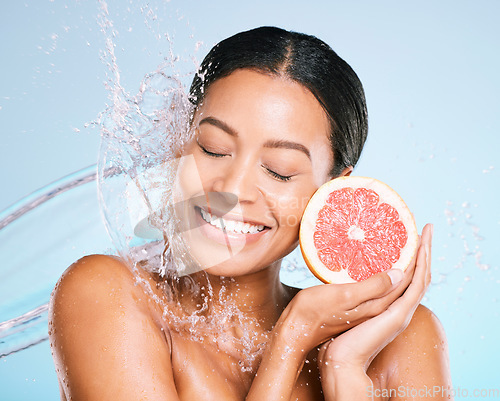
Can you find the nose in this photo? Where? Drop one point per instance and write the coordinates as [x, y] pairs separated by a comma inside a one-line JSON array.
[[239, 179]]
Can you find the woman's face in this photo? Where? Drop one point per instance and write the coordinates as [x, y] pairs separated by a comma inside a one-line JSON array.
[[259, 152]]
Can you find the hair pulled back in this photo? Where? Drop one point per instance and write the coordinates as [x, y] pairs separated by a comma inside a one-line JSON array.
[[306, 60]]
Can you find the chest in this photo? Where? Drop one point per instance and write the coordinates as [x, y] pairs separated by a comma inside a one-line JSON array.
[[206, 372]]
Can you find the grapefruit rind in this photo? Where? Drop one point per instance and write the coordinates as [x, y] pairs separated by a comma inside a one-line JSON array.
[[308, 224]]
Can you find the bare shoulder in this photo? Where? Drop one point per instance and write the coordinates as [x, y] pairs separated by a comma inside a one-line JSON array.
[[106, 280], [418, 357], [100, 284], [104, 334], [425, 334], [424, 326], [95, 271]]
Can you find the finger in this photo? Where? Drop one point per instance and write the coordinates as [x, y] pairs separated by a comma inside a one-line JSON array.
[[430, 228], [374, 307], [416, 290], [372, 288], [422, 269]]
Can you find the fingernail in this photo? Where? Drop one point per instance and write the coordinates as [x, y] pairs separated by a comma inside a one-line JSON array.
[[396, 275], [432, 230]]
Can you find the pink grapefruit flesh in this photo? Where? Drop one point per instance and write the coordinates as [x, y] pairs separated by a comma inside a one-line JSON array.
[[354, 227]]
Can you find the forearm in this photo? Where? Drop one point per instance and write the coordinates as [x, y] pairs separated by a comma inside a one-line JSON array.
[[278, 372], [341, 384]]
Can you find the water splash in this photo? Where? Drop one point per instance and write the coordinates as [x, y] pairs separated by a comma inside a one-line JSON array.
[[142, 136], [467, 231]]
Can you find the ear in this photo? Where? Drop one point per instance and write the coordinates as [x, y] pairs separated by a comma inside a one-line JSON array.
[[346, 172]]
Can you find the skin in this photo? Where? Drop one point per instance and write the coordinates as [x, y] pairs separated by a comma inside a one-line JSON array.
[[110, 340]]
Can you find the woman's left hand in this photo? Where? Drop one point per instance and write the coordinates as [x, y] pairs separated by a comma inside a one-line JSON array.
[[345, 358]]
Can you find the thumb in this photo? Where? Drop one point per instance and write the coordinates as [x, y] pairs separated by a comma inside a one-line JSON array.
[[380, 284]]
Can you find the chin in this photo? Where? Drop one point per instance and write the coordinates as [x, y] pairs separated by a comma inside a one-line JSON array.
[[226, 271], [236, 266]]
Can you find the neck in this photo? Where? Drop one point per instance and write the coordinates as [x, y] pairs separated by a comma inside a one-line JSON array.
[[259, 296]]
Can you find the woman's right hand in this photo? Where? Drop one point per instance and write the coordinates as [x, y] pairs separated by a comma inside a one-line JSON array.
[[319, 313], [315, 315]]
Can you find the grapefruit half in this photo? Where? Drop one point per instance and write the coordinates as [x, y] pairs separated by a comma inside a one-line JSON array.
[[354, 227]]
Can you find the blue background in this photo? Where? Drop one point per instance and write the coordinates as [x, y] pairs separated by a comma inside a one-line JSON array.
[[430, 71]]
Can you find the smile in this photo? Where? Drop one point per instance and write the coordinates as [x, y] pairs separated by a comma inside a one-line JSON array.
[[238, 227]]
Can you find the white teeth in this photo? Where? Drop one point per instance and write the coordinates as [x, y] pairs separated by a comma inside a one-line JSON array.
[[217, 223], [230, 225]]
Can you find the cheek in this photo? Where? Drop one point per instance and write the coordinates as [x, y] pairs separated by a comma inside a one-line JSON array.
[[288, 207], [195, 171]]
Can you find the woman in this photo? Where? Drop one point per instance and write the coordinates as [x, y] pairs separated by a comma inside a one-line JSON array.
[[276, 114]]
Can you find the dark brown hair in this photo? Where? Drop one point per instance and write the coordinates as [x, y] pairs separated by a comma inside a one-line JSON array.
[[306, 60]]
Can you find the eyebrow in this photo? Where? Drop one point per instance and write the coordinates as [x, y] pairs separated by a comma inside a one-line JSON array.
[[274, 143], [219, 124], [288, 145]]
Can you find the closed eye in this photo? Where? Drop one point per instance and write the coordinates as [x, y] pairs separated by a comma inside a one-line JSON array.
[[211, 154], [278, 176]]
